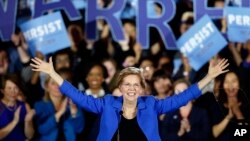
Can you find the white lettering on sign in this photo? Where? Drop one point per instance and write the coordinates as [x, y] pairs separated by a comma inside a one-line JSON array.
[[198, 38], [43, 30], [243, 20]]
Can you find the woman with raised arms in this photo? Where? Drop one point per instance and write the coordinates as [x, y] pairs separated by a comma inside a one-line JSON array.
[[132, 116]]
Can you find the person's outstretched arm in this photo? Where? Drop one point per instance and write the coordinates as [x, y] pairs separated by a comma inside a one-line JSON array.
[[194, 91], [214, 70], [87, 102], [46, 67]]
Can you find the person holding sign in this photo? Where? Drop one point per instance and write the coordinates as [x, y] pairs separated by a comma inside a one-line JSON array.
[[131, 116]]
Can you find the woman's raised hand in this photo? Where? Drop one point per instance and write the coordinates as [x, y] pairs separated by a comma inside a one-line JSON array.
[[42, 66], [216, 69], [46, 67]]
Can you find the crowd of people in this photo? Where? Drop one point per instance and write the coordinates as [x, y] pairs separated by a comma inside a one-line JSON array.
[[119, 82]]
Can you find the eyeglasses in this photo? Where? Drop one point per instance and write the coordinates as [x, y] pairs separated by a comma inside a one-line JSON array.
[[128, 85], [147, 68]]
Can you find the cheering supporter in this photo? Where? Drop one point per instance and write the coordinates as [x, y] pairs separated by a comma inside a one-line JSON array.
[[57, 117], [16, 116], [127, 113], [189, 123], [232, 110], [96, 74]]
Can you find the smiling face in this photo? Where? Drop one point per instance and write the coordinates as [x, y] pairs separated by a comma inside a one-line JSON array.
[[231, 84], [53, 88], [162, 85], [10, 91], [95, 78], [131, 87]]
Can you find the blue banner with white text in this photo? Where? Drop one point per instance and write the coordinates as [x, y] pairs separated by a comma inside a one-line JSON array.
[[46, 34], [238, 23], [201, 42]]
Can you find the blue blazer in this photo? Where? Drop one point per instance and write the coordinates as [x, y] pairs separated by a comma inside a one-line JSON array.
[[109, 107], [48, 127]]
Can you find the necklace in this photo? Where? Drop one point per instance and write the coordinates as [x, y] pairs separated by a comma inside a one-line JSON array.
[[10, 108]]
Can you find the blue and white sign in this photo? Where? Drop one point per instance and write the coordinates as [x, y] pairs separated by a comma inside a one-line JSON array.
[[201, 42], [238, 23], [46, 34]]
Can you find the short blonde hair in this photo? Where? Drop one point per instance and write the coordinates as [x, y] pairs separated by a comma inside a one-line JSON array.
[[131, 71], [46, 96]]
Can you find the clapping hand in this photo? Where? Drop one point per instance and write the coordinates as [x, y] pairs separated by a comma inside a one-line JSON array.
[[17, 114], [63, 106], [30, 113], [62, 109], [185, 127], [73, 108]]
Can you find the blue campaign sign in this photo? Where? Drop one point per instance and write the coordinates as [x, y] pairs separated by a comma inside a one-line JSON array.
[[46, 34], [238, 23], [201, 42]]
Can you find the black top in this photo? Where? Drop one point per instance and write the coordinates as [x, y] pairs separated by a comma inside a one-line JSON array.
[[129, 130], [91, 128], [60, 135]]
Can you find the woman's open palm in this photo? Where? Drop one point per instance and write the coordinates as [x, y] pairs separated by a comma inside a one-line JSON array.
[[40, 65], [219, 68]]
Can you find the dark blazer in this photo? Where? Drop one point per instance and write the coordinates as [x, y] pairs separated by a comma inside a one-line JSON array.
[[198, 119]]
